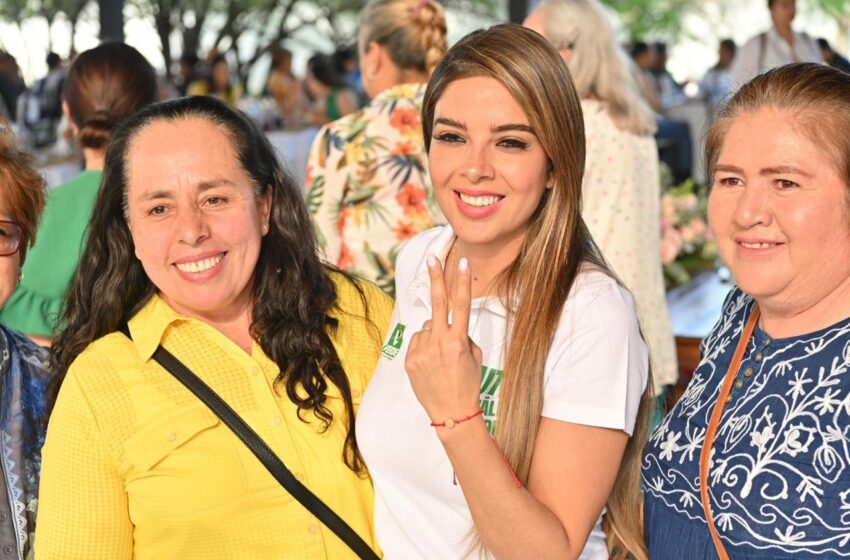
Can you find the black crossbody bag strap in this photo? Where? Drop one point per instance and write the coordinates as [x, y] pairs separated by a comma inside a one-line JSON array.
[[259, 448]]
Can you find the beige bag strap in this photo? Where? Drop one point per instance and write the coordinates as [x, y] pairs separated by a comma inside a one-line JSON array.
[[714, 422]]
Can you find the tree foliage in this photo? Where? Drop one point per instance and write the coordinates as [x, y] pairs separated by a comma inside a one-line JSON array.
[[644, 18]]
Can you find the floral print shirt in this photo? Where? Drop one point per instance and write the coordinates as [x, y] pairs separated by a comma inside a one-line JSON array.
[[368, 189], [779, 474]]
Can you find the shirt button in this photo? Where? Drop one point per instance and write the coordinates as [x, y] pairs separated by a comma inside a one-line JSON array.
[[3, 517], [355, 393], [299, 476], [255, 371], [7, 549], [171, 436], [748, 372], [739, 383], [276, 420], [313, 528], [758, 357]]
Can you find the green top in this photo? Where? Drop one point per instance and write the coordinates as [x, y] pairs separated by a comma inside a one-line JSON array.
[[332, 109], [52, 261]]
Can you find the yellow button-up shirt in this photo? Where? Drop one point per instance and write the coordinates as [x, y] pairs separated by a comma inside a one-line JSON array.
[[135, 466]]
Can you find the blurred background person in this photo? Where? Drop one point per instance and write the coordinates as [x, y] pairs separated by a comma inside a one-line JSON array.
[[669, 91], [348, 66], [368, 186], [200, 242], [285, 88], [620, 191], [187, 72], [219, 84], [331, 97], [11, 86], [24, 368], [43, 109], [714, 86], [777, 46], [673, 137], [831, 57], [644, 58], [103, 86], [773, 377]]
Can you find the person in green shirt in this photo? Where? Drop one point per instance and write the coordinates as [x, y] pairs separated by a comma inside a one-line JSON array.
[[104, 85]]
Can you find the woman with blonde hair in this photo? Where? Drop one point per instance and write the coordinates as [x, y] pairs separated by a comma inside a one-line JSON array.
[[367, 181], [620, 196], [509, 334]]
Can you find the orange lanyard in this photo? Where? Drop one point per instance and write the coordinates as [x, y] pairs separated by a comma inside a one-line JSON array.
[[713, 424]]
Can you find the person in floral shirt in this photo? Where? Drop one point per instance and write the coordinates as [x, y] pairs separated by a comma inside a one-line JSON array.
[[368, 188]]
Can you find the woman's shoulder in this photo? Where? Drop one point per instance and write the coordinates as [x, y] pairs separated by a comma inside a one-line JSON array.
[[352, 291], [29, 351], [104, 360], [594, 287], [429, 241]]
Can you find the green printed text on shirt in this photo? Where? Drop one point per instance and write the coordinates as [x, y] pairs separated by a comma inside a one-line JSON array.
[[491, 380], [393, 345]]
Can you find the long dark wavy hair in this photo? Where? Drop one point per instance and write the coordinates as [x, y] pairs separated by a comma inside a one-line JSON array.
[[292, 293]]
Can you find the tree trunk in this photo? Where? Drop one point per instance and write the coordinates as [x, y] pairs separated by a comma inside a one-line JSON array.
[[164, 27], [111, 20]]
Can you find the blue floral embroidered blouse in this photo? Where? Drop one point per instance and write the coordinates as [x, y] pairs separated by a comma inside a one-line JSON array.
[[780, 467]]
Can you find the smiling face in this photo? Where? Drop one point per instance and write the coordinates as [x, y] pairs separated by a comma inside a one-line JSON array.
[[488, 168], [195, 220], [780, 212]]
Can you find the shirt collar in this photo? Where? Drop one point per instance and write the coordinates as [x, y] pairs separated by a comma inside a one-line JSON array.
[[148, 326], [420, 286]]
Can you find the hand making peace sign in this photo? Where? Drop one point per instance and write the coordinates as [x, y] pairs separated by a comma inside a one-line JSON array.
[[443, 363]]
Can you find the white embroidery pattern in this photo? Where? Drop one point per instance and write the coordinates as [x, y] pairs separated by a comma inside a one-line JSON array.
[[779, 474]]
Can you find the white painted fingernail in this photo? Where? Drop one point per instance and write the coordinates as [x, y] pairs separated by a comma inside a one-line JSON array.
[[463, 265], [431, 259]]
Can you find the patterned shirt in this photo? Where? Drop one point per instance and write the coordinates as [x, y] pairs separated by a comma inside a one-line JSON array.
[[621, 206], [780, 466], [368, 188]]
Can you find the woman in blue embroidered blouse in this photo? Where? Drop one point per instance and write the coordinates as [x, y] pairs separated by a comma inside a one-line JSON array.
[[779, 469], [23, 365]]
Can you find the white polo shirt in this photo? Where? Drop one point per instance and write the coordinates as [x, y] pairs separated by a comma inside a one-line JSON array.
[[594, 375]]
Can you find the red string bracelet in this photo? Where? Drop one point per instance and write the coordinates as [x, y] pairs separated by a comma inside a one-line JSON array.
[[452, 422]]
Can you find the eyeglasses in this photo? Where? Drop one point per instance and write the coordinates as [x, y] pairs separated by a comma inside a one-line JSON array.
[[11, 237]]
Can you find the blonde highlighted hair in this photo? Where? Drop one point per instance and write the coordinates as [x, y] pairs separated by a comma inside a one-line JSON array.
[[556, 248], [412, 31], [598, 65]]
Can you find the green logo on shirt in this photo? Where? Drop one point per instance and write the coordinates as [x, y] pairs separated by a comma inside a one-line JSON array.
[[491, 380], [393, 345]]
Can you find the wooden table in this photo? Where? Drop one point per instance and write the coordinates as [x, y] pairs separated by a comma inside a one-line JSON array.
[[694, 309]]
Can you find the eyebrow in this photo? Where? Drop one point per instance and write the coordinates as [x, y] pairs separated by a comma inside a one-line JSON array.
[[202, 187], [783, 169], [500, 128], [779, 170]]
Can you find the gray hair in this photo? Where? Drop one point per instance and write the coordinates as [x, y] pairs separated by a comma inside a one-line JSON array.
[[599, 67]]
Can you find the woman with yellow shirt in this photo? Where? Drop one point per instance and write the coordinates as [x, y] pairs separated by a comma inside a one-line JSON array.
[[201, 243]]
